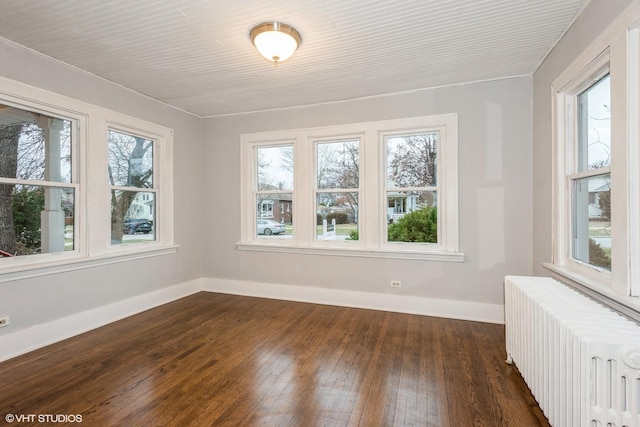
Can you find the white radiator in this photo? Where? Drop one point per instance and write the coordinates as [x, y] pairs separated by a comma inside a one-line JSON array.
[[580, 359]]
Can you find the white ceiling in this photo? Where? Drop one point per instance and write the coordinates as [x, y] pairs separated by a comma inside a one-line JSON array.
[[196, 54]]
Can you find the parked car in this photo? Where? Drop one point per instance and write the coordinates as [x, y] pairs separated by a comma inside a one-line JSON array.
[[136, 225], [268, 227]]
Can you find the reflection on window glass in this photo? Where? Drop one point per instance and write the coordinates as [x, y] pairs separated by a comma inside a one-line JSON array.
[[591, 230], [36, 219], [275, 168], [594, 126]]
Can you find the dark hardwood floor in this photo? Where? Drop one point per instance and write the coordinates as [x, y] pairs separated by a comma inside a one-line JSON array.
[[212, 359]]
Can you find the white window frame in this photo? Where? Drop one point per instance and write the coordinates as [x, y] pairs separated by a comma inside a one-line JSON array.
[[567, 122], [92, 198], [616, 48], [314, 141], [372, 199], [160, 145], [446, 192], [78, 125]]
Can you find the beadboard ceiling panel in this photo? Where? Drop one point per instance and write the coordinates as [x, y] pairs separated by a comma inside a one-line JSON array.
[[196, 54]]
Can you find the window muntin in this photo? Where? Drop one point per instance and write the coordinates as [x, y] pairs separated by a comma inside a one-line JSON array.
[[37, 183], [337, 189], [131, 168], [411, 191], [273, 195]]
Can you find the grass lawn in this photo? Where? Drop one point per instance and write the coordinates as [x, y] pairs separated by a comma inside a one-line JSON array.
[[341, 229]]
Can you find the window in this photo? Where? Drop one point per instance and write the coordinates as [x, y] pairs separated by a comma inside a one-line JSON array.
[[590, 178], [411, 187], [337, 189], [597, 220], [46, 166], [38, 183], [130, 167], [380, 189], [272, 188]]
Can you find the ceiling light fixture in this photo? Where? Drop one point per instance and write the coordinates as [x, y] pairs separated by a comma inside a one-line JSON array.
[[275, 41]]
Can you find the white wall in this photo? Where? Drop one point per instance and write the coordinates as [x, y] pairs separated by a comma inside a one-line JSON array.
[[495, 196], [36, 301], [594, 19]]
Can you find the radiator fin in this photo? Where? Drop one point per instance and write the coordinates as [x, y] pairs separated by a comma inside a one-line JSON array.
[[580, 359]]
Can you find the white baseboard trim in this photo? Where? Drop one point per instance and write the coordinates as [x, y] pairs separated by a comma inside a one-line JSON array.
[[34, 337], [451, 309]]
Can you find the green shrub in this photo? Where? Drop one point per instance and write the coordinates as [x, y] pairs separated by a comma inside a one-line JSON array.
[[27, 205], [598, 256], [416, 226], [353, 235]]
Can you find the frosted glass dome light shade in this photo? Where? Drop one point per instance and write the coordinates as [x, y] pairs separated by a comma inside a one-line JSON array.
[[275, 41]]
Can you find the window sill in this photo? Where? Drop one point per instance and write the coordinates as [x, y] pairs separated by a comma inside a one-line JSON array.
[[20, 271], [444, 256], [627, 305]]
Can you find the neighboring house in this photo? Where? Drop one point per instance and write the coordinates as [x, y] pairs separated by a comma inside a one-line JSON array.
[[597, 187], [277, 208], [400, 204], [142, 207]]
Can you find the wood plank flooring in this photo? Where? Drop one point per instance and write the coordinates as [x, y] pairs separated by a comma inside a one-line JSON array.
[[213, 359]]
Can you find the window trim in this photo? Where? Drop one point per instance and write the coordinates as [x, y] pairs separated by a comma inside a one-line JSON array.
[[373, 206], [92, 209], [618, 45]]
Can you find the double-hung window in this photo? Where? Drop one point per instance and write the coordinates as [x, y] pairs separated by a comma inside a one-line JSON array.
[[38, 182], [132, 187], [67, 167], [411, 187], [375, 189], [337, 191], [597, 149], [272, 189]]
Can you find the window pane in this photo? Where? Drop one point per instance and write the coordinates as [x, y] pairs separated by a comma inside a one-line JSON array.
[[412, 216], [275, 168], [130, 161], [132, 216], [275, 213], [412, 160], [591, 220], [594, 127], [337, 216], [338, 164], [36, 219], [34, 146]]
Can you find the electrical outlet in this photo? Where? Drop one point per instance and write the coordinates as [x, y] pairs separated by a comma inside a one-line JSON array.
[[396, 284], [4, 321]]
